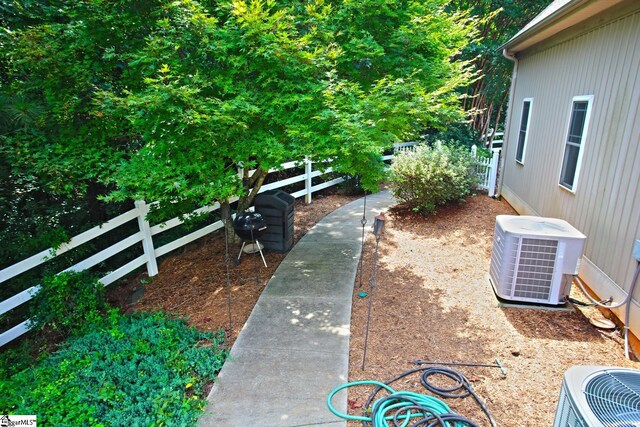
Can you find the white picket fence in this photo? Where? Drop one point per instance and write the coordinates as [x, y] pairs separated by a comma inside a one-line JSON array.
[[488, 170], [487, 166], [491, 175], [145, 236]]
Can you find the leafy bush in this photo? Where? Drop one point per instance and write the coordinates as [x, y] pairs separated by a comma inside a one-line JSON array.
[[145, 369], [68, 303], [483, 153], [15, 357], [428, 177]]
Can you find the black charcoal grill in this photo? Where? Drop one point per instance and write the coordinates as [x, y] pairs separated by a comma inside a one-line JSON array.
[[249, 226]]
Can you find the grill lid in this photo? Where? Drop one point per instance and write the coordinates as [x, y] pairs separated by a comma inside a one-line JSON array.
[[249, 221], [249, 225]]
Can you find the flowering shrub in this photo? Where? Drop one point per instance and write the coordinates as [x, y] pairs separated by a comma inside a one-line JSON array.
[[425, 178]]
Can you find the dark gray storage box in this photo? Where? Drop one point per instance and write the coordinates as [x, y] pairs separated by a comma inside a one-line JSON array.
[[277, 207]]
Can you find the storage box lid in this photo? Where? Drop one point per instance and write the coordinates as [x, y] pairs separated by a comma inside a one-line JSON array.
[[275, 198]]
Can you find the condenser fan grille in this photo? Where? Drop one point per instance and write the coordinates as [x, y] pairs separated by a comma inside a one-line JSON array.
[[614, 398], [535, 268]]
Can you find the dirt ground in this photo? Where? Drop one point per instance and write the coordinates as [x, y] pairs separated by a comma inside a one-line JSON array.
[[192, 282], [432, 302]]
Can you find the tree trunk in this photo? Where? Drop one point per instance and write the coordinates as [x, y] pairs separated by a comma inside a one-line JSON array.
[[252, 185], [479, 112], [485, 123], [95, 209], [499, 116], [225, 214]]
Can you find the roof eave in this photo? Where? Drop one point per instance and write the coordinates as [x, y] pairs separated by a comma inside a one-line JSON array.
[[570, 14]]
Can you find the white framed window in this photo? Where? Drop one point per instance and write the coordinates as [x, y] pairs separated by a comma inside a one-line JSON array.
[[523, 131], [574, 143]]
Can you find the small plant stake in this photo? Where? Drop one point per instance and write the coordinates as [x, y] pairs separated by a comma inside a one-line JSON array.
[[378, 231], [227, 263], [363, 221]]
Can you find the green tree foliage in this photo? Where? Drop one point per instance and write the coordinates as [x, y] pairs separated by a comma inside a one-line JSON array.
[[502, 19], [55, 156], [164, 100], [425, 178]]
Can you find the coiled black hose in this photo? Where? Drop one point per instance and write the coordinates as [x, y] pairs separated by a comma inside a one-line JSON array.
[[462, 388]]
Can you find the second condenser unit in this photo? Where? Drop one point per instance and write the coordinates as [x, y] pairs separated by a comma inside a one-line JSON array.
[[599, 396]]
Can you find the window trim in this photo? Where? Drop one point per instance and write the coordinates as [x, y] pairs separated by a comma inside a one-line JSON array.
[[583, 138], [527, 131]]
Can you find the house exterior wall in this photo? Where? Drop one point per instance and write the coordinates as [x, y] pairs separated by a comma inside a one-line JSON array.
[[600, 58]]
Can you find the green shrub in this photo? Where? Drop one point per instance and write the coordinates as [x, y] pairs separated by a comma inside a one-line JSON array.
[[145, 369], [68, 303], [483, 153], [428, 177], [17, 356]]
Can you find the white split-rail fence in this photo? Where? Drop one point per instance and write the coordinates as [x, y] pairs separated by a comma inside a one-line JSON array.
[[145, 236]]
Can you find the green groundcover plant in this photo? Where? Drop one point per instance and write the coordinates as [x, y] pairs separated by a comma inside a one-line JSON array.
[[425, 178], [144, 369]]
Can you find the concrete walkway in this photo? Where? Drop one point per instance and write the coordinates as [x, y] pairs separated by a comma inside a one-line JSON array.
[[294, 348]]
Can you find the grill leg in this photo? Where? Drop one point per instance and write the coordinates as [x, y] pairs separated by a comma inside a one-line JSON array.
[[240, 254], [261, 255]]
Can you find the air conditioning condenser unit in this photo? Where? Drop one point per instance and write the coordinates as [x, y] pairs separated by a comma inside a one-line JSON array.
[[599, 396], [534, 258]]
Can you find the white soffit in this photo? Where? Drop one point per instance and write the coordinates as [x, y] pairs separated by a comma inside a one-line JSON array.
[[558, 16]]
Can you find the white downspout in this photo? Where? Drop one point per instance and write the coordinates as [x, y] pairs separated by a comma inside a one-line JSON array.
[[507, 129]]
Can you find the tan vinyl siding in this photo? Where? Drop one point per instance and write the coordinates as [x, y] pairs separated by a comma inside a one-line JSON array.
[[600, 59]]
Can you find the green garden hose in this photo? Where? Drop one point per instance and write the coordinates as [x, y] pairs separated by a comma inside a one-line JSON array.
[[401, 408]]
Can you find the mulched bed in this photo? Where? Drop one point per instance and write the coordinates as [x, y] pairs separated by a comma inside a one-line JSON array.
[[433, 302], [192, 281]]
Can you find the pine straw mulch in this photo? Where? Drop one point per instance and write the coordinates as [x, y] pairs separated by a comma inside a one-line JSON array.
[[433, 301], [192, 282]]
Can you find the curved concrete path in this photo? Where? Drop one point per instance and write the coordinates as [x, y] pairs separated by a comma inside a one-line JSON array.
[[294, 348]]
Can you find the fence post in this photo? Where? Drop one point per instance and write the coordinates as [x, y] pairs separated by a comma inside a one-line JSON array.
[[495, 156], [147, 241], [474, 151], [240, 171], [308, 167]]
